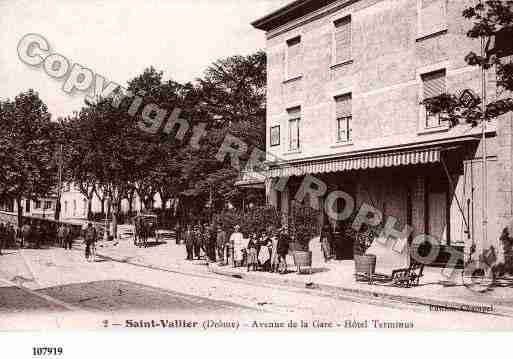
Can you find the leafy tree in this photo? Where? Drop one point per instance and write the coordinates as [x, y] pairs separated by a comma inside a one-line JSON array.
[[27, 149], [80, 161], [230, 100]]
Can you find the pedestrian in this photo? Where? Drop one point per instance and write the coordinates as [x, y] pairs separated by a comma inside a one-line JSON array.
[[252, 254], [283, 249], [210, 243], [36, 236], [11, 236], [3, 236], [326, 241], [274, 250], [178, 232], [90, 240], [68, 238], [237, 242], [197, 242], [264, 254], [220, 244], [189, 243]]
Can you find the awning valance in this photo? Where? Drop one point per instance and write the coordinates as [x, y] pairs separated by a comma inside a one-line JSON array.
[[358, 162]]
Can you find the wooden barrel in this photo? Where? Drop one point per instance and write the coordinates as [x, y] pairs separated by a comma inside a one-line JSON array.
[[365, 264], [302, 258]]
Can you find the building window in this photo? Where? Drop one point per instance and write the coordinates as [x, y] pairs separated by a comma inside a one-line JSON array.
[[294, 124], [275, 136], [344, 118], [48, 205], [37, 205], [434, 84], [66, 207], [294, 57], [342, 40], [27, 205], [432, 17]]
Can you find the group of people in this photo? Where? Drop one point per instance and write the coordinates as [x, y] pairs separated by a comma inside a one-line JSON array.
[[205, 240], [7, 235], [30, 232], [264, 250]]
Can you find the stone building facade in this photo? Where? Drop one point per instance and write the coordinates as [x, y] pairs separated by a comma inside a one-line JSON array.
[[345, 83]]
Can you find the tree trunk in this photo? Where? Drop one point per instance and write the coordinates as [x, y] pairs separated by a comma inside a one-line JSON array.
[[164, 202], [90, 197], [57, 216], [20, 212], [130, 205], [102, 200], [90, 208], [115, 212]]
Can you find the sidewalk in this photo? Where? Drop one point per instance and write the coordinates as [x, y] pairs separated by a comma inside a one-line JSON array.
[[333, 278]]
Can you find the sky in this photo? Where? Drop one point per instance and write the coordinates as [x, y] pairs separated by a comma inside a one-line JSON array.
[[120, 38]]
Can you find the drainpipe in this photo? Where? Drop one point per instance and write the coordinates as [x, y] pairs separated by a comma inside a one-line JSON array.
[[484, 150]]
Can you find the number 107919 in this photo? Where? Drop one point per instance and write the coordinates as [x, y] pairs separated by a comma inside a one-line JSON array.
[[47, 351]]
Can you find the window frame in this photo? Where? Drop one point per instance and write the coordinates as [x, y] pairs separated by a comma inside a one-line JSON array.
[[348, 130], [294, 115], [297, 121], [348, 118]]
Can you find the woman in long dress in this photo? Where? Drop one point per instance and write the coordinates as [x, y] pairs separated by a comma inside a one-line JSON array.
[[237, 240], [252, 260], [326, 240]]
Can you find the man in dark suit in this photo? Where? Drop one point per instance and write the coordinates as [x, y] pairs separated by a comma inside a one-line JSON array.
[[189, 243], [282, 249]]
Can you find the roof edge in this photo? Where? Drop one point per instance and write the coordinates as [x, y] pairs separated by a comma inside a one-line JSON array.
[[264, 22]]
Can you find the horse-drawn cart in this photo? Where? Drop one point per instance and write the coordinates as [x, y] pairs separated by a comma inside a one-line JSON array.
[[145, 228]]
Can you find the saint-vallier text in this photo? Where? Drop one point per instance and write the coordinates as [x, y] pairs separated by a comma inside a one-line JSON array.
[[162, 323]]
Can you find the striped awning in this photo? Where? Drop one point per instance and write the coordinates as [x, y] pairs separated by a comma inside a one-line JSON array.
[[251, 179], [358, 162]]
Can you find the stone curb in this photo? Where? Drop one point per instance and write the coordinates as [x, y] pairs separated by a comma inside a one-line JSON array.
[[332, 290], [337, 290]]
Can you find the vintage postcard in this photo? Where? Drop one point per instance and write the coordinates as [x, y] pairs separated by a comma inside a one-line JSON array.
[[267, 165]]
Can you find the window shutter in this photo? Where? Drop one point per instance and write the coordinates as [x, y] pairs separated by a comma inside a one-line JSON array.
[[434, 84], [343, 40], [343, 106], [294, 56], [294, 112], [432, 16], [428, 3]]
